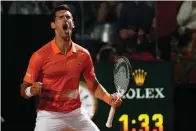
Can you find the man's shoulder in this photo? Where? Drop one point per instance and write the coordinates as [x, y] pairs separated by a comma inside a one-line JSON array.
[[81, 49], [45, 49], [41, 54]]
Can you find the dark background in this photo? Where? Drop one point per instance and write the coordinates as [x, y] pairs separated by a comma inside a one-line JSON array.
[[21, 36]]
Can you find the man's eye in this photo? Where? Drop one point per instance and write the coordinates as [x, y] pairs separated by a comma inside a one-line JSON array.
[[68, 17], [61, 17]]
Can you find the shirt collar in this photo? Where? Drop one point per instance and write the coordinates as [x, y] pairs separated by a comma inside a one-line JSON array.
[[57, 50]]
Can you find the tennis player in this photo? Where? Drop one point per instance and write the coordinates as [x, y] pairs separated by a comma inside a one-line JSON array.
[[54, 73]]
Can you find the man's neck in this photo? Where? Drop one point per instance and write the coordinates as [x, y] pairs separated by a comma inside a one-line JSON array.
[[63, 45]]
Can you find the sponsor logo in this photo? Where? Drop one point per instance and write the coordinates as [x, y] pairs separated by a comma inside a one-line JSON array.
[[78, 63], [139, 77], [28, 74], [139, 92]]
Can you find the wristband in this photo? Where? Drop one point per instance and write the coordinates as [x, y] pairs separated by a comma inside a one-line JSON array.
[[28, 91], [107, 98]]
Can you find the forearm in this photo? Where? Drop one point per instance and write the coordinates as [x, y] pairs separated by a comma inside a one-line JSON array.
[[102, 94]]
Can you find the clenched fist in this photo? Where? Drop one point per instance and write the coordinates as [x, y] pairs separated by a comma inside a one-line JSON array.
[[36, 88]]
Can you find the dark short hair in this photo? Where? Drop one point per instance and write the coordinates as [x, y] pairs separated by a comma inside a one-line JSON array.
[[58, 8]]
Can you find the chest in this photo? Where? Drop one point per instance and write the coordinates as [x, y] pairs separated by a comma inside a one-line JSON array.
[[63, 66]]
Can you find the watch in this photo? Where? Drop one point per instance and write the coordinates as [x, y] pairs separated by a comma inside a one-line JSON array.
[[89, 102]]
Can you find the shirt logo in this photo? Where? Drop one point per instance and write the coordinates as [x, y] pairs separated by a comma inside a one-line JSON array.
[[28, 74], [78, 63]]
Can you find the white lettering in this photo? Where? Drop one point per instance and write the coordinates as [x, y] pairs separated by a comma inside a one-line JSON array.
[[159, 93], [149, 93], [130, 94], [139, 94]]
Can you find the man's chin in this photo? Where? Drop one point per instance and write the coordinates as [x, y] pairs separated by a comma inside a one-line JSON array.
[[66, 37]]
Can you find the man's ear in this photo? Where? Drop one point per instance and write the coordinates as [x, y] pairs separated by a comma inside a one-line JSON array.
[[52, 25]]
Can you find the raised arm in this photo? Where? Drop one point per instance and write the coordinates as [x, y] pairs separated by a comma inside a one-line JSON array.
[[95, 87]]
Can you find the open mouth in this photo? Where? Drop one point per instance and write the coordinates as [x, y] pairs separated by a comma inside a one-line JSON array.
[[65, 27]]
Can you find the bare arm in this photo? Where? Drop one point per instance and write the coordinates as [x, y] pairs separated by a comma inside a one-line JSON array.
[[95, 87], [99, 91]]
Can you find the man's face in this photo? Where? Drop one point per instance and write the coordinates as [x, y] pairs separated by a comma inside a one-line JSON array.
[[63, 24]]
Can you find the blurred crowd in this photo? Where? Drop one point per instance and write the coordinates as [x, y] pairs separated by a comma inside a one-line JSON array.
[[140, 30]]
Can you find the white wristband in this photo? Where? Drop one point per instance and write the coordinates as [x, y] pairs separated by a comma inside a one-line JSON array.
[[28, 91]]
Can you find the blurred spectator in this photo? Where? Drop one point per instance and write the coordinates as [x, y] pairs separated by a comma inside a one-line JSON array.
[[187, 23], [187, 16], [166, 13], [29, 8], [104, 28], [186, 19], [88, 15], [118, 9], [188, 49], [100, 27], [102, 13], [134, 23], [106, 13], [106, 54]]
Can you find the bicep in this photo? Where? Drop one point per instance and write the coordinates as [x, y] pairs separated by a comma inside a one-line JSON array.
[[92, 84], [89, 74]]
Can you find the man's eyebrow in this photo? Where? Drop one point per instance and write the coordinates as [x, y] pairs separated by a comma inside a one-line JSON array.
[[64, 15]]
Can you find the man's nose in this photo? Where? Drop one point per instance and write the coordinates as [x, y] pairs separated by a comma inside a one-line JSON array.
[[65, 19]]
